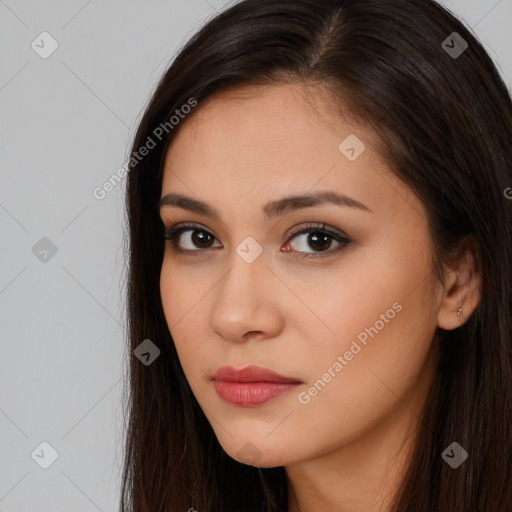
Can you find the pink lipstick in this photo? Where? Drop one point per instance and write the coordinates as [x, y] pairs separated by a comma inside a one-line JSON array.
[[251, 386]]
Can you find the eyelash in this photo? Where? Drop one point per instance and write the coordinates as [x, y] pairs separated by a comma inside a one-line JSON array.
[[172, 234]]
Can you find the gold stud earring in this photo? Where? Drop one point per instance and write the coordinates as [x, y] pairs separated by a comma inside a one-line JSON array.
[[459, 315]]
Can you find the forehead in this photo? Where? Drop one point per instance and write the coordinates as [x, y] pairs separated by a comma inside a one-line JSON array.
[[246, 130], [243, 148]]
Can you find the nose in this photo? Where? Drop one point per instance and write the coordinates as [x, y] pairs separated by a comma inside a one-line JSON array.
[[246, 304]]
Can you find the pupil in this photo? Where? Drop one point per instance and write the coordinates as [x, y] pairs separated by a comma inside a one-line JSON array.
[[199, 239], [320, 240]]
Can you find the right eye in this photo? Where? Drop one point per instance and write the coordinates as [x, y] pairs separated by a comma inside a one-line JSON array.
[[197, 237]]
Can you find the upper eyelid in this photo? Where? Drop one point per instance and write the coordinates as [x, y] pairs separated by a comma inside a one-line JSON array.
[[334, 233], [321, 226]]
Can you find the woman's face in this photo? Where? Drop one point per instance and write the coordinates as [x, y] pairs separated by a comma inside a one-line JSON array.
[[347, 311]]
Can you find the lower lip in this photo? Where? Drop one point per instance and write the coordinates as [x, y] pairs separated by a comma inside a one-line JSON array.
[[250, 394]]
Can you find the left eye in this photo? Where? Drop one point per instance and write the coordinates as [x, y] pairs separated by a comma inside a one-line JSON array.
[[319, 239]]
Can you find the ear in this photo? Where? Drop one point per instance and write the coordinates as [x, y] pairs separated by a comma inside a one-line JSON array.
[[461, 289]]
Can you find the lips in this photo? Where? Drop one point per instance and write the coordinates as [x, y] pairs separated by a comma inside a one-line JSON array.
[[250, 374], [251, 386]]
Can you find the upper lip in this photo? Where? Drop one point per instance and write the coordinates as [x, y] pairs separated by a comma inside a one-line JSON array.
[[249, 374]]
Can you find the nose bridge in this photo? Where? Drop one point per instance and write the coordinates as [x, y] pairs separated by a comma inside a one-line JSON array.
[[242, 301], [240, 285]]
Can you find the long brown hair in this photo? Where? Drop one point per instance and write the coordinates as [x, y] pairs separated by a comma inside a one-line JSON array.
[[444, 123]]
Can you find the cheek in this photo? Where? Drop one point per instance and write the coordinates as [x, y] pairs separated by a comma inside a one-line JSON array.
[[380, 298], [181, 296], [383, 325], [182, 288], [329, 306]]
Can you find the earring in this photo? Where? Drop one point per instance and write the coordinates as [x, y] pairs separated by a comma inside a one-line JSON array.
[[459, 315]]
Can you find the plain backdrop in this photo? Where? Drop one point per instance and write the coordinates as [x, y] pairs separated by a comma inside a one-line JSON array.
[[66, 120]]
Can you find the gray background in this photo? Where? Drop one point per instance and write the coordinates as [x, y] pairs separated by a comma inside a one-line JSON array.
[[66, 123]]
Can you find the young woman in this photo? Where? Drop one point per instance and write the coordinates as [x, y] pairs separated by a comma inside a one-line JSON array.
[[320, 212]]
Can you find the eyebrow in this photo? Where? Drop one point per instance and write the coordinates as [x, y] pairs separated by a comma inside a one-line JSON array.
[[272, 209]]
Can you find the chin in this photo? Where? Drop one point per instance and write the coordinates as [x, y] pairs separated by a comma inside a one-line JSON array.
[[254, 454]]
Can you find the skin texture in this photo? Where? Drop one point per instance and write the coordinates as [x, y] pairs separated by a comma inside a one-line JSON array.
[[345, 449]]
